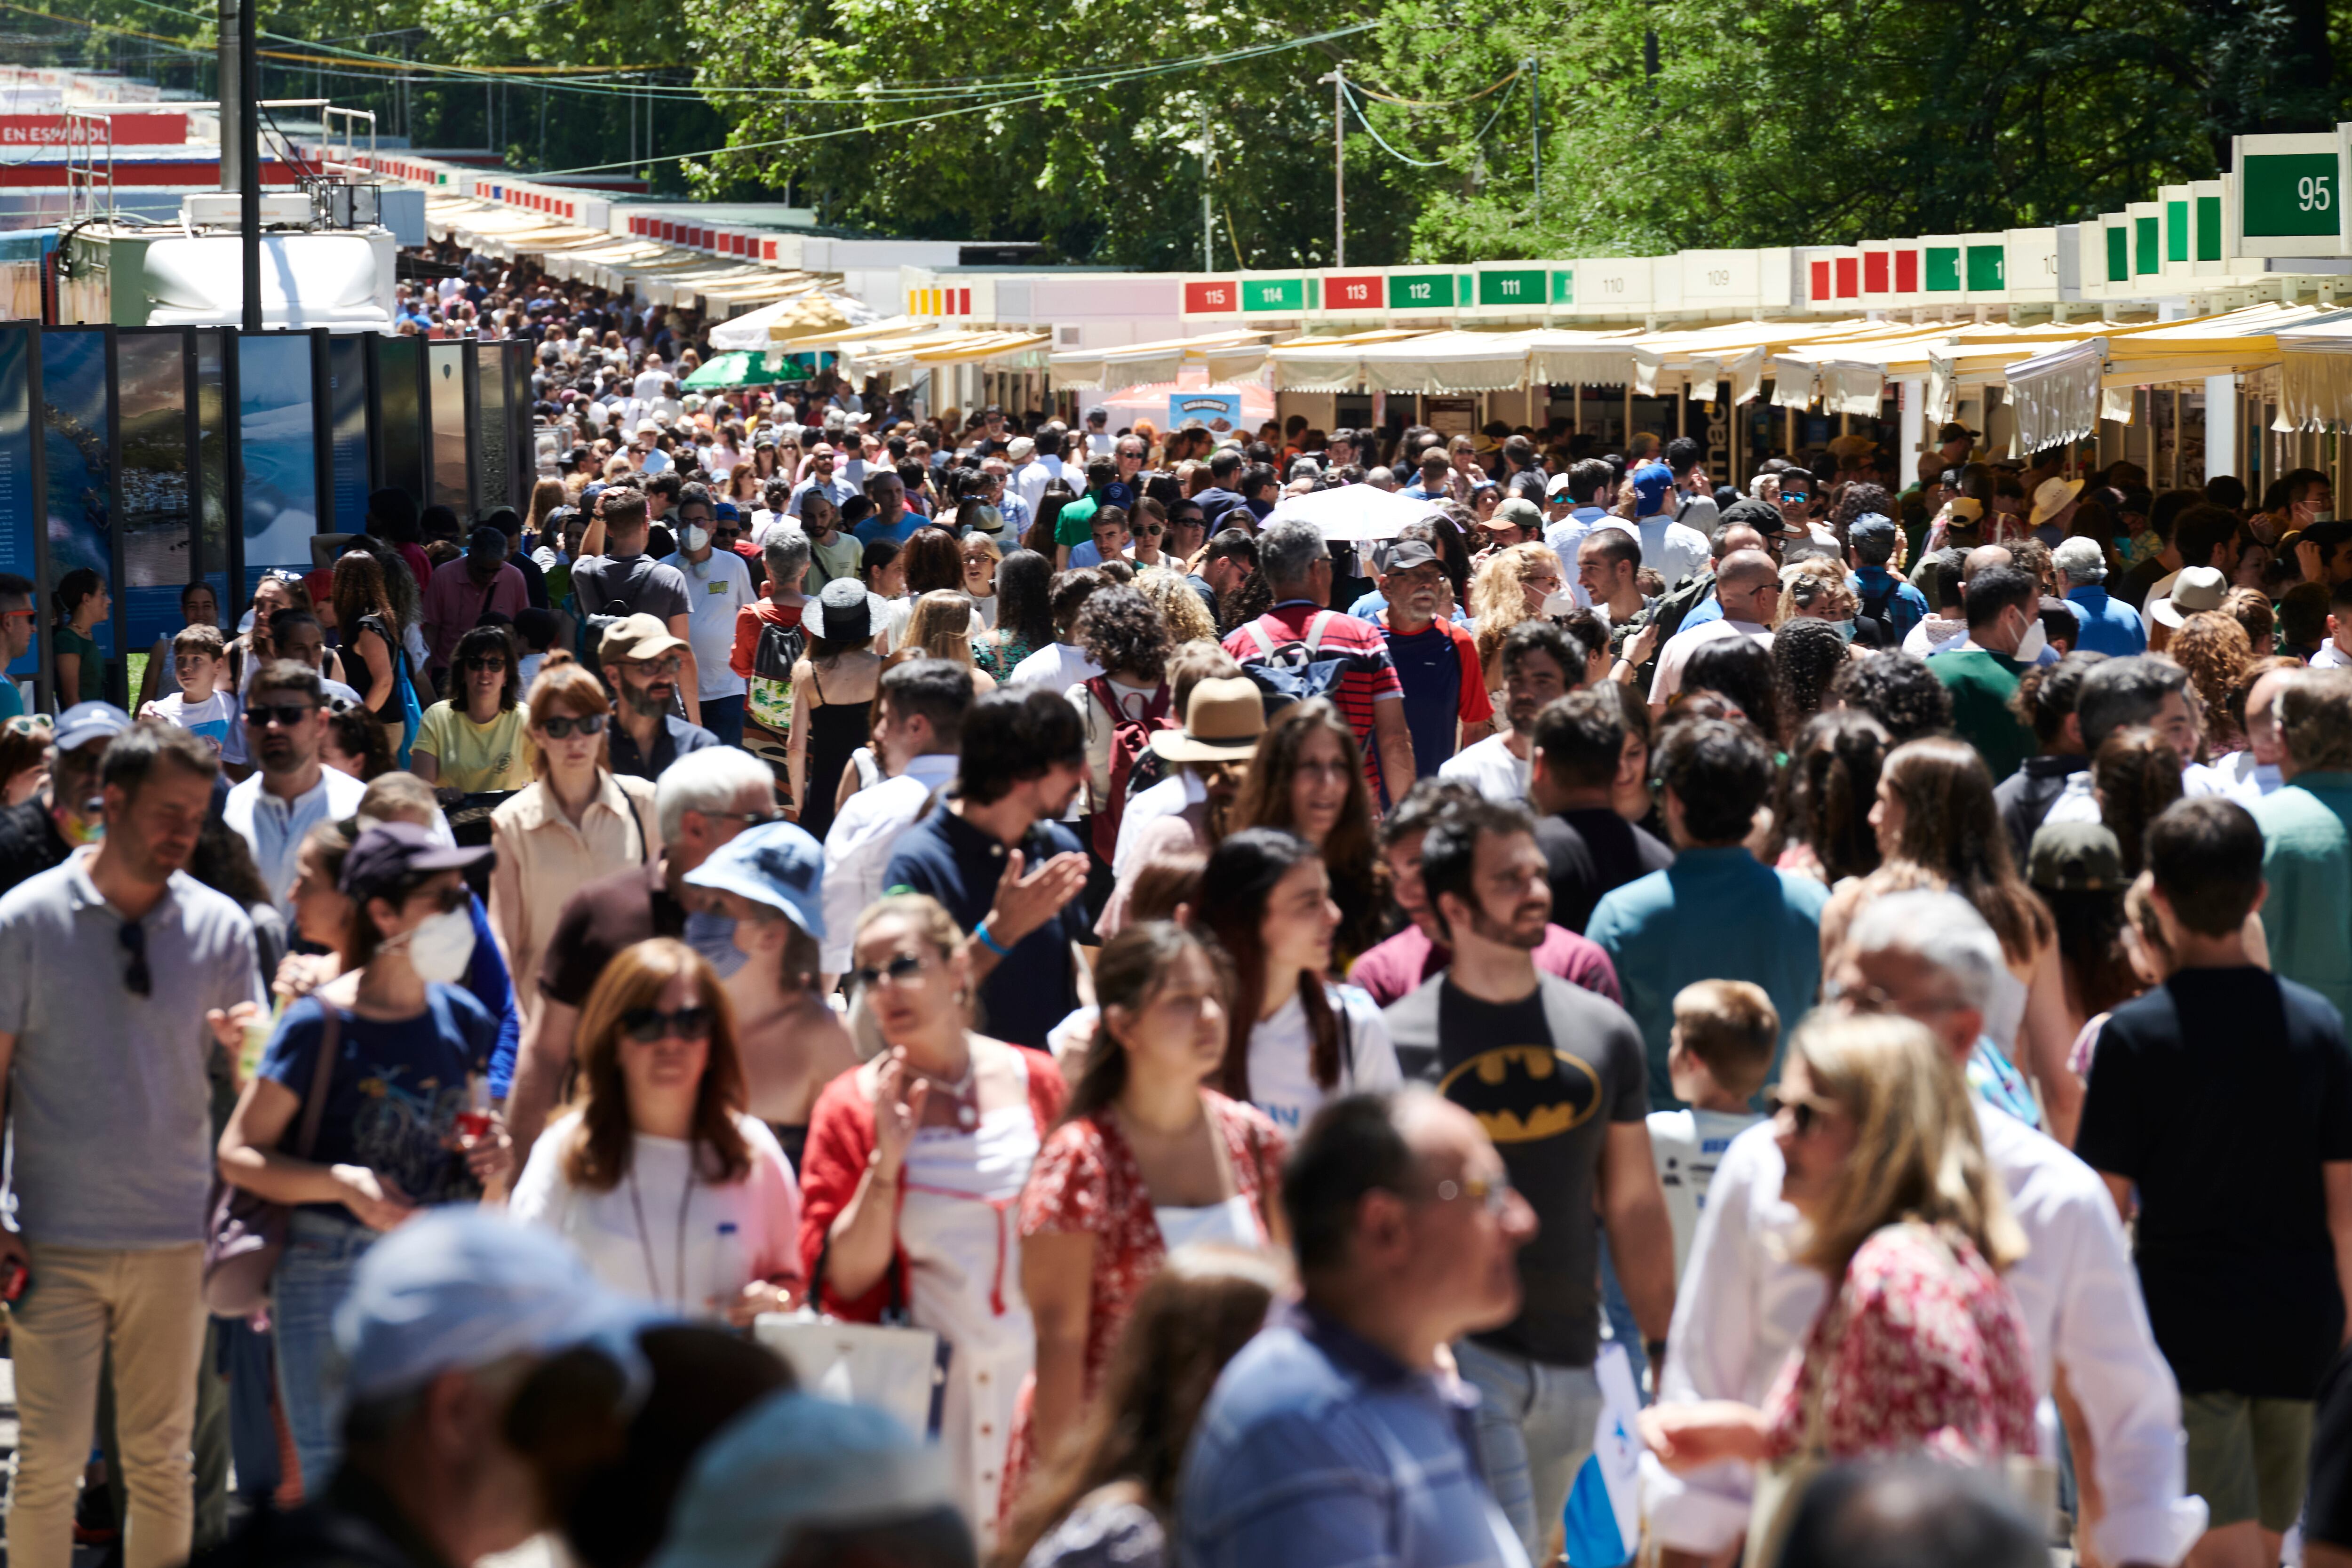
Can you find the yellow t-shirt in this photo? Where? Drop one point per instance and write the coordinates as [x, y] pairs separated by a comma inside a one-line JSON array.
[[478, 758]]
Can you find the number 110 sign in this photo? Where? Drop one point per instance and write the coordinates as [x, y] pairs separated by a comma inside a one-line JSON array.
[[2289, 196]]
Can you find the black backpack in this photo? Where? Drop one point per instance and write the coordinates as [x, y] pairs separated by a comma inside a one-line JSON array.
[[618, 606], [779, 649]]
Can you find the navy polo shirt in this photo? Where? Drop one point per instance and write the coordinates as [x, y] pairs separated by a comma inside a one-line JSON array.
[[676, 738], [1034, 988]]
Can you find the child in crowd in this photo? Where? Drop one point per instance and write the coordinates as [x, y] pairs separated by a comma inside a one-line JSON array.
[[535, 630], [202, 704], [1724, 1035]]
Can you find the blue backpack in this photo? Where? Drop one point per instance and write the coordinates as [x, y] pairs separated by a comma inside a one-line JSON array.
[[1293, 671]]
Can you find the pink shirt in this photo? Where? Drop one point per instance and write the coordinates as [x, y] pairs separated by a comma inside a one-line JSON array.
[[453, 604], [1392, 969]]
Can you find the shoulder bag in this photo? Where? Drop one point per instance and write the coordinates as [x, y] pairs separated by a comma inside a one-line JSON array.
[[892, 1364], [248, 1232]]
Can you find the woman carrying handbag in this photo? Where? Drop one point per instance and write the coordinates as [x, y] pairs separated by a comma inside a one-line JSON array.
[[410, 1052], [1920, 1349]]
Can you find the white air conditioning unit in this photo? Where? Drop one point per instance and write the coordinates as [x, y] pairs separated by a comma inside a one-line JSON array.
[[225, 209]]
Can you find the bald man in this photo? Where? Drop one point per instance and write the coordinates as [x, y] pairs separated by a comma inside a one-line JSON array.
[[1747, 586]]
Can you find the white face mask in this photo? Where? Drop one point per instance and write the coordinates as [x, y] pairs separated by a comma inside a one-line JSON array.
[[2030, 645], [1557, 605], [442, 946], [696, 539]]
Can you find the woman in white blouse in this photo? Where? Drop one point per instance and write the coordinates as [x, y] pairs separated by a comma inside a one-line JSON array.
[[671, 1190]]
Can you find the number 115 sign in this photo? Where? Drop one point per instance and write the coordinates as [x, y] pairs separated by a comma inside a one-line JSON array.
[[2288, 194]]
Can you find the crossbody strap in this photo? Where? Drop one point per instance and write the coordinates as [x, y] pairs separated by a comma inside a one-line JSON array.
[[314, 1104]]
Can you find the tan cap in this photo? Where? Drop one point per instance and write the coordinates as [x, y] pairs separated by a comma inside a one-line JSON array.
[[1223, 722], [636, 637], [2052, 496]]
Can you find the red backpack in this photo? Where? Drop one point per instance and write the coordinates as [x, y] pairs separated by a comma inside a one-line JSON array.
[[1129, 739]]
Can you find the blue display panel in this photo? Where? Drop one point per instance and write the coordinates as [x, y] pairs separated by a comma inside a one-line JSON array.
[[347, 416], [277, 431], [79, 505], [158, 521], [19, 510]]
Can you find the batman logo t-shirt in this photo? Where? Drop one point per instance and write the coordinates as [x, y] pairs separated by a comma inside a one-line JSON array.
[[1546, 1077]]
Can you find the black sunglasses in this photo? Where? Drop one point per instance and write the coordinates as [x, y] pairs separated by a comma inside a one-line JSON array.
[[137, 977], [648, 1025], [900, 970], [286, 715], [1803, 1114], [557, 727], [492, 662]]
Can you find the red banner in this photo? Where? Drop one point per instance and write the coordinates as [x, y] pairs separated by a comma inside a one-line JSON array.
[[160, 129], [1216, 296]]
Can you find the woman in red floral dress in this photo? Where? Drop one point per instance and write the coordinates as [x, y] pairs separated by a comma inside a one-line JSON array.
[[1921, 1348], [1146, 1159]]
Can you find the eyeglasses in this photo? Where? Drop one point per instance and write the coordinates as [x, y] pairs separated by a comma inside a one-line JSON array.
[[748, 819], [285, 715], [492, 662], [899, 970], [650, 1026], [559, 726], [1493, 1193], [137, 978], [661, 669], [1804, 1115]]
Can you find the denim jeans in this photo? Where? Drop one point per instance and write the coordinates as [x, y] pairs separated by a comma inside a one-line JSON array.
[[321, 1252], [1535, 1432], [1620, 1313], [723, 716]]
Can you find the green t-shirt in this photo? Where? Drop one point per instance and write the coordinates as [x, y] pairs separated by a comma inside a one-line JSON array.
[[476, 758], [1076, 523], [1982, 685], [92, 686]]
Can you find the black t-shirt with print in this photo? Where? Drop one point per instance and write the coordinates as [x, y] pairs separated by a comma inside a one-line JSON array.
[[1546, 1077]]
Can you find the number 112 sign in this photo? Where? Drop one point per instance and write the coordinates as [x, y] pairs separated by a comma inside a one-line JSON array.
[[2289, 198]]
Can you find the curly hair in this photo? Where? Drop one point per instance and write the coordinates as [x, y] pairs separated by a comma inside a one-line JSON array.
[[932, 560], [1180, 609], [1828, 788], [1123, 632], [1816, 583], [1806, 657], [1740, 671], [1898, 690], [2214, 649], [1498, 596], [2137, 774]]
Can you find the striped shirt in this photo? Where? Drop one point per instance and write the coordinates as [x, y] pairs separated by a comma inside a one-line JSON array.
[[1368, 676]]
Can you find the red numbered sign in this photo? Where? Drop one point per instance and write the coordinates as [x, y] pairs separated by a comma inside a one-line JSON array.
[[1359, 293], [1219, 294]]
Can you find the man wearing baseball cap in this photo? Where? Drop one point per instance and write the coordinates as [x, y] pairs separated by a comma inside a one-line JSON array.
[[463, 591], [643, 661], [64, 812], [1445, 700], [485, 1367], [1673, 550], [821, 480]]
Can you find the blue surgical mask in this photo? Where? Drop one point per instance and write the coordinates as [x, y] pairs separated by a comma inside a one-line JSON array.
[[1844, 630], [713, 936]]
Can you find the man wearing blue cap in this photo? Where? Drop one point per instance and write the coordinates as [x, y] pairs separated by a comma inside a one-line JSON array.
[[1673, 550], [483, 1358], [41, 832]]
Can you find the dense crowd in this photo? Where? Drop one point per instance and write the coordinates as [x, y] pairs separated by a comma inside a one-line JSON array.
[[1320, 1033]]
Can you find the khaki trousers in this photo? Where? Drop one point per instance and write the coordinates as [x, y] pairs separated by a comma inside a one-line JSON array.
[[145, 1307]]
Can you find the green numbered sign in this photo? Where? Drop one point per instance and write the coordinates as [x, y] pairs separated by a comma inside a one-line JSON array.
[[1513, 287], [2289, 194], [1274, 293], [1943, 269], [1421, 291]]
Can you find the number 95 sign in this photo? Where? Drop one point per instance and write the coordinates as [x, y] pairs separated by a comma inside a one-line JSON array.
[[2290, 192]]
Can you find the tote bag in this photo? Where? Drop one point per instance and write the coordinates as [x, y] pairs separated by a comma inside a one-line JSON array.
[[895, 1366]]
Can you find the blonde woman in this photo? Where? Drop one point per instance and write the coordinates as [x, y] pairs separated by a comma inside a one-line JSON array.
[[1180, 606], [1920, 1348], [980, 554], [1815, 589], [576, 821], [1511, 586], [939, 627], [545, 496]]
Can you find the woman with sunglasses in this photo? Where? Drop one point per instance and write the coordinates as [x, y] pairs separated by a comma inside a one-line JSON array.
[[1148, 1159], [671, 1190], [475, 741], [1920, 1348], [916, 1161], [387, 1127], [980, 555], [576, 821]]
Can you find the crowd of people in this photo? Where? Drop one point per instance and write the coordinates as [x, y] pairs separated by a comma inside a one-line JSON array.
[[1287, 1016]]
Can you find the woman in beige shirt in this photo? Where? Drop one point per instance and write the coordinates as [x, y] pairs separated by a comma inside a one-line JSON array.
[[575, 822]]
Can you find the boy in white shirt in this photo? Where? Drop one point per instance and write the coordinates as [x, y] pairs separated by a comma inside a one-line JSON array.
[[203, 704], [1724, 1035]]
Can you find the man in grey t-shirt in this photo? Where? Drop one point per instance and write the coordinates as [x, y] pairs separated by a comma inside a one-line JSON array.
[[111, 968], [623, 582], [1556, 1075]]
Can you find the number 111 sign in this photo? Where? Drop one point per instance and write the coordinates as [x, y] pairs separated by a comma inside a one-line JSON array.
[[2289, 194]]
